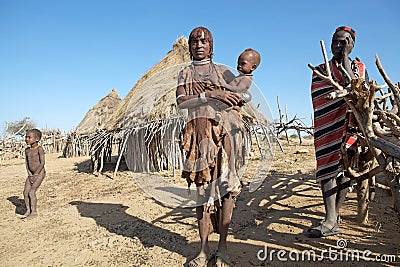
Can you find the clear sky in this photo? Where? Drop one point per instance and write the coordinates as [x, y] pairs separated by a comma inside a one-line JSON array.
[[59, 58]]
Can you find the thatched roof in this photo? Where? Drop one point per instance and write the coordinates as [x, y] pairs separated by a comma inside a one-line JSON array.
[[96, 117], [153, 96]]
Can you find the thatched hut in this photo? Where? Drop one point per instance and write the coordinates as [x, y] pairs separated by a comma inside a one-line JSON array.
[[147, 121], [97, 116], [78, 140]]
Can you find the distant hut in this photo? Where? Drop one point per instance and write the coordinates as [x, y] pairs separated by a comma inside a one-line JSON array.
[[78, 140], [147, 121], [97, 116]]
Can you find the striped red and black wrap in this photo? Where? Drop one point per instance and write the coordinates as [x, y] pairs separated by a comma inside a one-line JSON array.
[[331, 120]]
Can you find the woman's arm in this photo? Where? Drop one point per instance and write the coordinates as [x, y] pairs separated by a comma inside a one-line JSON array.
[[191, 101], [186, 101]]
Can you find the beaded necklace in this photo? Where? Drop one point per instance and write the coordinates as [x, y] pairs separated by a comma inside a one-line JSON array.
[[34, 147], [201, 77]]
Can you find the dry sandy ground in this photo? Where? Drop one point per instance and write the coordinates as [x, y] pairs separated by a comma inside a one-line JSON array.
[[97, 221]]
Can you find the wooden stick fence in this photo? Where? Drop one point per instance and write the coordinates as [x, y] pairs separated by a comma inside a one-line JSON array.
[[154, 145], [11, 147]]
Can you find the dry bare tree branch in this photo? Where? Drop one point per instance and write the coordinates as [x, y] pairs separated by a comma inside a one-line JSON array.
[[339, 90]]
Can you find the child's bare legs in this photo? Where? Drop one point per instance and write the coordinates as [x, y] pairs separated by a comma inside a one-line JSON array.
[[32, 200], [27, 188]]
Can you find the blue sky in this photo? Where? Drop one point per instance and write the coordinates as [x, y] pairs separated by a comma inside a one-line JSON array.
[[59, 58]]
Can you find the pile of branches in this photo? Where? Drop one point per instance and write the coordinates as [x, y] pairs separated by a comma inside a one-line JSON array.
[[295, 124], [11, 148], [378, 117], [14, 147]]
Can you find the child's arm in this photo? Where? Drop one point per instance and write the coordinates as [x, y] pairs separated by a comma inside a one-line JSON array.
[[27, 165], [240, 84], [41, 161]]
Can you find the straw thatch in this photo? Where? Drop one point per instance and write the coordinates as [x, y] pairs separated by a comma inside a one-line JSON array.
[[146, 119], [97, 116], [154, 94]]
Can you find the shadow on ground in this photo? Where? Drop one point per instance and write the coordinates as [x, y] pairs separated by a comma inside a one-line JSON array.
[[85, 166], [274, 217], [114, 218], [19, 204], [277, 215]]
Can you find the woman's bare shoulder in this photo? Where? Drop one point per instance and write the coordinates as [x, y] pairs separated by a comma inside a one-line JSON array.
[[227, 74]]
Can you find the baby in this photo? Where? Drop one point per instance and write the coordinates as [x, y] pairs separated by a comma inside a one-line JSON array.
[[247, 62]]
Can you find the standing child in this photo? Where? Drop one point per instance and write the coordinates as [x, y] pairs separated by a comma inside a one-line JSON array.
[[34, 159]]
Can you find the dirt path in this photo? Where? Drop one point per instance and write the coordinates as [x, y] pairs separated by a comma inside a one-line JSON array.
[[97, 221]]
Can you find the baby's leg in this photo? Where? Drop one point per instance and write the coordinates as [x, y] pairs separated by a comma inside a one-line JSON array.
[[32, 195], [27, 188]]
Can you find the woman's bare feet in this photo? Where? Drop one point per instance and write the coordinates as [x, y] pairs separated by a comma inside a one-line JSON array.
[[30, 216], [200, 261], [222, 260]]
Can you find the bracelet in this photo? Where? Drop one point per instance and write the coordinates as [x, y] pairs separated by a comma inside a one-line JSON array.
[[246, 97], [202, 97], [179, 96]]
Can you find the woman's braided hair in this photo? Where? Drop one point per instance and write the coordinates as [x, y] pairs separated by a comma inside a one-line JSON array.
[[196, 33]]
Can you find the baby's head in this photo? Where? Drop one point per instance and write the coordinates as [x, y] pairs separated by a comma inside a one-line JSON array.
[[248, 61]]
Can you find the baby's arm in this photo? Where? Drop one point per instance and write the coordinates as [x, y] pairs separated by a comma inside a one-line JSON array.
[[240, 84]]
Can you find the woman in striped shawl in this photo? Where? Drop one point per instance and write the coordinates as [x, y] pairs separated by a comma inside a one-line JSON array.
[[332, 121]]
